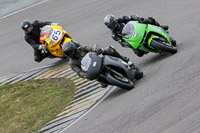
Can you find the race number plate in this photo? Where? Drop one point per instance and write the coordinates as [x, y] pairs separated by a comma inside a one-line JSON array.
[[56, 35]]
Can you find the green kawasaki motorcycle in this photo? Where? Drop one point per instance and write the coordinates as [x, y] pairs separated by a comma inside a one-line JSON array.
[[148, 38]]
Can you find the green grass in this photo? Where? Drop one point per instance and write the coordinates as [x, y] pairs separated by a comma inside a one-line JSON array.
[[26, 107]]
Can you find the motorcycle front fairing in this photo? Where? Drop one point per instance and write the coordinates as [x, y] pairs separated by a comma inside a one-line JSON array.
[[52, 36], [119, 65], [135, 34], [92, 64], [157, 32], [138, 34]]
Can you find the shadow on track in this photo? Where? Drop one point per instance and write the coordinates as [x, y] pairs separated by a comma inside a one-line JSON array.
[[159, 57], [154, 59]]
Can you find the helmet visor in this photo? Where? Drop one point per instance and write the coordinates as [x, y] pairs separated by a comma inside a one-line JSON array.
[[112, 25], [28, 28]]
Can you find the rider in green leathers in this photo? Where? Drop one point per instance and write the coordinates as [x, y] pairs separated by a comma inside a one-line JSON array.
[[116, 26]]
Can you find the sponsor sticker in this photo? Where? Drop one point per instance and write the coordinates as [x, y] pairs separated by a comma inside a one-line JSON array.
[[135, 34], [51, 42], [48, 41], [94, 64]]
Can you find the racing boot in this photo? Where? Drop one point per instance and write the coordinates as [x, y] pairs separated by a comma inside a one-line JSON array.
[[124, 58], [113, 52]]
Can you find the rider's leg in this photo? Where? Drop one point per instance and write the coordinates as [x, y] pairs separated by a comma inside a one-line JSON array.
[[113, 52], [38, 56]]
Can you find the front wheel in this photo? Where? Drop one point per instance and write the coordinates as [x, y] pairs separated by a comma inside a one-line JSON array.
[[163, 46], [119, 80]]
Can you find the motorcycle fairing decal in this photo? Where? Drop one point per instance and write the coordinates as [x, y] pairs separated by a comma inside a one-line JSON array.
[[94, 64], [48, 41], [135, 34], [150, 39], [51, 42], [45, 34]]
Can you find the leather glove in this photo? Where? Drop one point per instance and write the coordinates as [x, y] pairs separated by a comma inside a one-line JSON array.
[[42, 47], [125, 44], [138, 52], [99, 51]]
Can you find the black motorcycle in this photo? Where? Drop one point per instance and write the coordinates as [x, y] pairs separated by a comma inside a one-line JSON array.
[[110, 70]]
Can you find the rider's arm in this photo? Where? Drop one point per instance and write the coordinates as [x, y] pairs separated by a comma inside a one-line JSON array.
[[136, 18], [41, 24], [77, 44], [149, 20], [126, 19], [88, 48], [119, 39], [116, 37], [32, 42], [77, 70]]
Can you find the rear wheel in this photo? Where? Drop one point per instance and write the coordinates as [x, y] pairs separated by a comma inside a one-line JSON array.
[[119, 80], [163, 46]]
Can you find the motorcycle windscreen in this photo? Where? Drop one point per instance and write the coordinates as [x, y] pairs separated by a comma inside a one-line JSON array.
[[45, 33], [128, 31], [133, 33], [91, 64]]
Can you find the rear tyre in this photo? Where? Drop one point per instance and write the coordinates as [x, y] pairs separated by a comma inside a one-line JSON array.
[[163, 46], [119, 80]]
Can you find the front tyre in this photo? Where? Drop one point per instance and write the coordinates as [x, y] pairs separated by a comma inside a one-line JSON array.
[[119, 80], [163, 46]]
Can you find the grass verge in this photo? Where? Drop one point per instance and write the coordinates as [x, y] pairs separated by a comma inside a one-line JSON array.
[[26, 107]]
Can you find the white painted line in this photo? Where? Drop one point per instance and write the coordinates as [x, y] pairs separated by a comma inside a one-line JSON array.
[[23, 9], [106, 95]]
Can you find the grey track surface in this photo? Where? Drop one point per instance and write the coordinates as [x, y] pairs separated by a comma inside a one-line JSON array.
[[166, 100]]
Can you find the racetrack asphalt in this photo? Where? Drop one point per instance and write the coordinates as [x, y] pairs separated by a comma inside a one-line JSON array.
[[166, 100]]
